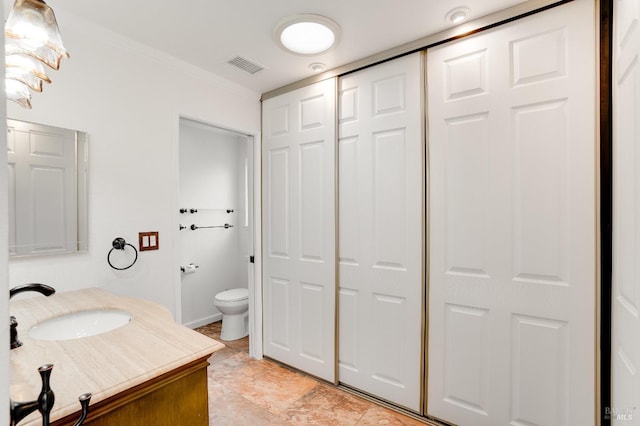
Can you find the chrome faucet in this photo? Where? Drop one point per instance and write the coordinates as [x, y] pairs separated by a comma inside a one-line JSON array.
[[13, 323], [45, 401]]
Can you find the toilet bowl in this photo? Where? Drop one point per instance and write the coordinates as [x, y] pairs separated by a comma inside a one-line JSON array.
[[234, 306]]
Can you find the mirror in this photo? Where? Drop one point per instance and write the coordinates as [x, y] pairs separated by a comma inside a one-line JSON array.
[[48, 169]]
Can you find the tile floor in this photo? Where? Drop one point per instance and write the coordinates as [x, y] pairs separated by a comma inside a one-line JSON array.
[[246, 391]]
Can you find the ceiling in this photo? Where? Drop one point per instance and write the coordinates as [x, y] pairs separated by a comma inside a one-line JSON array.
[[209, 33]]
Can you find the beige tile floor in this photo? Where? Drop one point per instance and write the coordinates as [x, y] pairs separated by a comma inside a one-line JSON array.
[[246, 391]]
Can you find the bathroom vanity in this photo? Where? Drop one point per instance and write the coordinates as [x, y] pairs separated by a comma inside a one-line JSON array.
[[149, 371]]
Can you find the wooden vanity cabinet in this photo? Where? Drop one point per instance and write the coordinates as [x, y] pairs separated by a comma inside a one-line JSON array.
[[178, 397]]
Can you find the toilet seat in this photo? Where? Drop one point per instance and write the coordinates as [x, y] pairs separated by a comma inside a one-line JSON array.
[[233, 295]]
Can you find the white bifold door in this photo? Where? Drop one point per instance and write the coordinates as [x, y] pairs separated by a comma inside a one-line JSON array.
[[299, 268], [381, 200], [512, 223], [626, 216]]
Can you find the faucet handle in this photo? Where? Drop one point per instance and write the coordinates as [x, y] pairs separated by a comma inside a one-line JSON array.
[[44, 403], [13, 328], [46, 399], [84, 399]]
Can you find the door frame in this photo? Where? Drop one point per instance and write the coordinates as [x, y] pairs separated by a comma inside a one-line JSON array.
[[254, 278]]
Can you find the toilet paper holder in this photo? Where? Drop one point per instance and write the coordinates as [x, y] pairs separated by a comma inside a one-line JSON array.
[[184, 268]]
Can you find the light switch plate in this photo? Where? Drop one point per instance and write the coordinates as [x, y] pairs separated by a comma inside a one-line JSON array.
[[148, 241]]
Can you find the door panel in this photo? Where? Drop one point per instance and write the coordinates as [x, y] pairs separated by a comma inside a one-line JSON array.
[[42, 193], [278, 193], [512, 225], [625, 348], [380, 231], [299, 229]]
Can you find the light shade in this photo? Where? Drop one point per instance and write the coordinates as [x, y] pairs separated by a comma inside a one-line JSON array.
[[34, 24], [26, 70], [18, 92], [306, 34], [32, 40], [42, 53]]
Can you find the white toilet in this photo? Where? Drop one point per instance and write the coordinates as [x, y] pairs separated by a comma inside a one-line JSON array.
[[234, 305]]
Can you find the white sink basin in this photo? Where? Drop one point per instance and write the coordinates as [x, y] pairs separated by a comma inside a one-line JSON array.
[[80, 324]]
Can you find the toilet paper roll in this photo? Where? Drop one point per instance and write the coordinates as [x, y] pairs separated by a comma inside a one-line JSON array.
[[189, 269]]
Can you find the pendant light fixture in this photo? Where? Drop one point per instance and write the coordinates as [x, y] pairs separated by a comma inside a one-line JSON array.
[[32, 38]]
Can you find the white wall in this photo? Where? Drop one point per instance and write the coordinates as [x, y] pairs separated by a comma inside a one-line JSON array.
[[210, 181], [129, 99]]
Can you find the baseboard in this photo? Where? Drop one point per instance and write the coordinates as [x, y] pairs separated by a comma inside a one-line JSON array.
[[203, 321]]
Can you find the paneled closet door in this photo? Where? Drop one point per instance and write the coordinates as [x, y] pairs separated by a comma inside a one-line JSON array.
[[512, 233], [381, 231], [298, 196], [625, 345]]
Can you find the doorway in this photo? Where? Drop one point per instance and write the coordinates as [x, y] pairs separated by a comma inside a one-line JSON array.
[[216, 218]]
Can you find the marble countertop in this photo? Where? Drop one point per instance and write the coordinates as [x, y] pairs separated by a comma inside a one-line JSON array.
[[150, 345]]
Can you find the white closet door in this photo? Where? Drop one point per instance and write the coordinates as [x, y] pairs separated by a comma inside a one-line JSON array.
[[299, 228], [625, 346], [512, 234], [381, 231]]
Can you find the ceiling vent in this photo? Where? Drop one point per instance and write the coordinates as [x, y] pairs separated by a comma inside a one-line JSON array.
[[245, 65]]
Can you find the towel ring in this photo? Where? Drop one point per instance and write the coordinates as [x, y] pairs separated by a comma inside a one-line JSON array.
[[120, 244]]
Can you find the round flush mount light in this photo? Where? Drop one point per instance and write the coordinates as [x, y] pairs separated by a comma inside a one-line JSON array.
[[457, 15], [306, 34]]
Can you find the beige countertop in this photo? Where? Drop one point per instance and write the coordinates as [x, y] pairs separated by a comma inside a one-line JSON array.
[[150, 345]]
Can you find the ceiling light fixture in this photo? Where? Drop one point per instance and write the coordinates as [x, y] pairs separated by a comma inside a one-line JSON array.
[[317, 67], [306, 34], [32, 39], [457, 15]]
